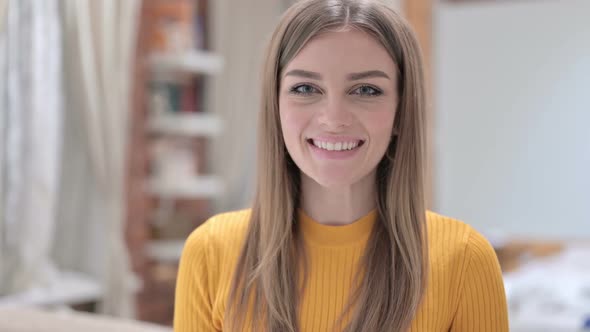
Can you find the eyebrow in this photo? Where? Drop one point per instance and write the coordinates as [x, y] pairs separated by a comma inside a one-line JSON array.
[[351, 77]]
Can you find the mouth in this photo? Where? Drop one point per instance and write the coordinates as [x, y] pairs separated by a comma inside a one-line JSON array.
[[336, 146]]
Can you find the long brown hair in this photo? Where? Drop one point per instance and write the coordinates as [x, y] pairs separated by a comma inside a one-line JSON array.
[[393, 271]]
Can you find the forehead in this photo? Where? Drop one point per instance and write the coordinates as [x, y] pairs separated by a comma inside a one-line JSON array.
[[345, 50]]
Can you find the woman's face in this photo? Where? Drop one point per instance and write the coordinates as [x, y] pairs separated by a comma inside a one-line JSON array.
[[337, 104]]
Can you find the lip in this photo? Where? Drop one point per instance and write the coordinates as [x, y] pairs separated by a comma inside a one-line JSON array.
[[335, 155]]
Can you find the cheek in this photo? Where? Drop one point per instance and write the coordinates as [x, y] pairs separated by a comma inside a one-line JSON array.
[[293, 124], [380, 125], [293, 121]]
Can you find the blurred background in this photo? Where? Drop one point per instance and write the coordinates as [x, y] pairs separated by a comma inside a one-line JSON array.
[[126, 124]]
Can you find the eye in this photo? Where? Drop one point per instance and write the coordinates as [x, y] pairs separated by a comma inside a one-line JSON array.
[[367, 90], [303, 89]]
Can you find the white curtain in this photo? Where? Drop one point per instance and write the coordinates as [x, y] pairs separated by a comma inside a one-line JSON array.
[[3, 96], [99, 46], [3, 7], [240, 32], [30, 125]]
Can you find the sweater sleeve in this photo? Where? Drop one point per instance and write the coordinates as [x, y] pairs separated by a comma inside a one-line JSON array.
[[482, 303], [193, 301]]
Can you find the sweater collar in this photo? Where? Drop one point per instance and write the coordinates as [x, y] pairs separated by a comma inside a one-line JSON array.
[[328, 235]]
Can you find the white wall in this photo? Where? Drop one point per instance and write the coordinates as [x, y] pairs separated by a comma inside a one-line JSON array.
[[512, 102]]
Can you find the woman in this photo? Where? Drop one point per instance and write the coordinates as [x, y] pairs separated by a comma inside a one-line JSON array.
[[338, 238]]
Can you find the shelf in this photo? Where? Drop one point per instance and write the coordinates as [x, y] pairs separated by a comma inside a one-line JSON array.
[[165, 251], [186, 124], [197, 62], [200, 187], [67, 289]]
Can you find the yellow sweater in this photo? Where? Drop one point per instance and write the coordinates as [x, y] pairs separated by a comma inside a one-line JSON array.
[[465, 291]]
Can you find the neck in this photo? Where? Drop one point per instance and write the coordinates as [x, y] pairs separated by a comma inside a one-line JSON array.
[[338, 205]]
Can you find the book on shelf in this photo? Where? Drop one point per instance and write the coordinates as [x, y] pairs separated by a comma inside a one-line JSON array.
[[188, 98], [170, 25], [200, 25], [177, 28], [177, 25], [175, 97]]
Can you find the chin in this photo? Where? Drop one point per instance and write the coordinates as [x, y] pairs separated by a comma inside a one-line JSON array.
[[334, 181]]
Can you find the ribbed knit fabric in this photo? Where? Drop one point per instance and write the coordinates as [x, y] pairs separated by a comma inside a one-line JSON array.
[[465, 291]]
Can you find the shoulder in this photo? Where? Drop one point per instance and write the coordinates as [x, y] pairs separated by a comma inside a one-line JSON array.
[[451, 240], [440, 225], [221, 232], [464, 262], [450, 231]]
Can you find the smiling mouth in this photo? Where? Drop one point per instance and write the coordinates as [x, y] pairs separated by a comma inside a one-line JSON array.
[[336, 146]]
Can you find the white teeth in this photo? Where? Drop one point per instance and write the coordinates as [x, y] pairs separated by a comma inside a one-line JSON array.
[[339, 146]]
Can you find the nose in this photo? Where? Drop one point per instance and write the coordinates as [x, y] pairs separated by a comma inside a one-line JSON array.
[[335, 114]]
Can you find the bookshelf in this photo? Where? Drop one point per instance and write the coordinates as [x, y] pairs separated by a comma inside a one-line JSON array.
[[170, 185], [197, 187], [185, 124], [165, 250], [190, 61]]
